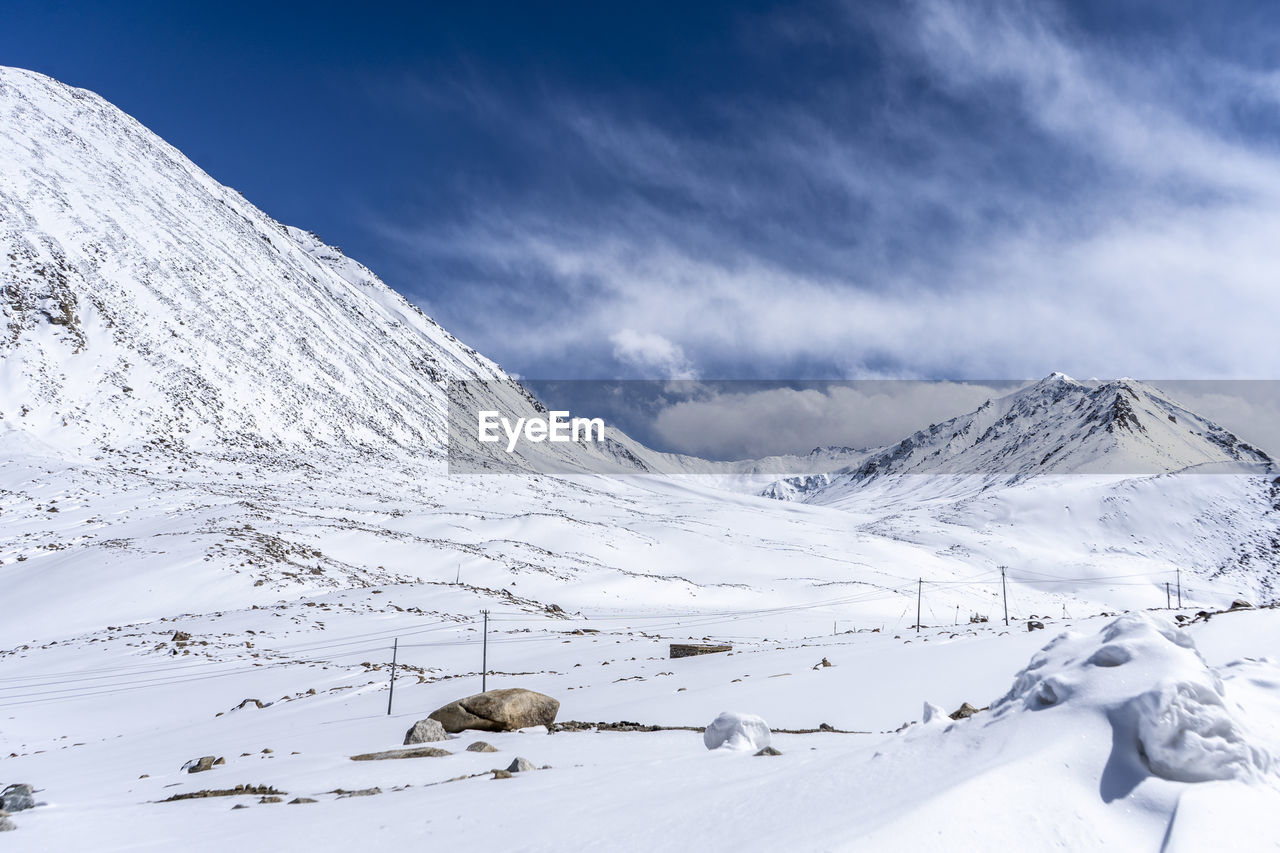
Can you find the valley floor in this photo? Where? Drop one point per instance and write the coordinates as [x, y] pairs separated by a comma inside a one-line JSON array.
[[217, 609]]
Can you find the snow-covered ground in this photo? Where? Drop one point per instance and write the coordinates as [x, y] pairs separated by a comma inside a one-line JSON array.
[[224, 498], [1135, 740]]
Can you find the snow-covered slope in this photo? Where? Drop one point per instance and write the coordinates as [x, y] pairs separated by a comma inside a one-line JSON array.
[[222, 481], [1055, 426], [143, 302]]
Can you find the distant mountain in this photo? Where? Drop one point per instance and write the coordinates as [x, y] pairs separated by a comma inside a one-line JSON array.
[[1056, 426]]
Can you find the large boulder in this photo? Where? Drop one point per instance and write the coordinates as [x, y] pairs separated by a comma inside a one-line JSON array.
[[498, 711], [425, 731]]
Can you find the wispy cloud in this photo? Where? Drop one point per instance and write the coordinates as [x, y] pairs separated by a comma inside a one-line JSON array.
[[957, 190]]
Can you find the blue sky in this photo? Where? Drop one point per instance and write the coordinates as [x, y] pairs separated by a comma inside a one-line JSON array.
[[933, 189]]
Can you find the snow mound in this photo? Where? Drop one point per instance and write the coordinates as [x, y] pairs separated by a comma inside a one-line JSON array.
[[732, 730], [1163, 701]]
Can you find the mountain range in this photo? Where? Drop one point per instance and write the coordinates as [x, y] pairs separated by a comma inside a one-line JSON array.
[[164, 336]]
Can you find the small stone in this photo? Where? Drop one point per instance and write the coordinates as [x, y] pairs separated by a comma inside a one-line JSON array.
[[300, 800], [239, 806], [521, 765], [425, 731], [6, 825], [1241, 604], [770, 750], [481, 746], [1033, 625], [501, 774], [265, 801], [964, 712]]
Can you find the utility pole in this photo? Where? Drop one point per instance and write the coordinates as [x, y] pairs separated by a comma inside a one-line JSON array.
[[395, 648], [484, 655], [1179, 569], [919, 595], [1004, 593], [1168, 605]]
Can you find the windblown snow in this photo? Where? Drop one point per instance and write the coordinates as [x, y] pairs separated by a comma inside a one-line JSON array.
[[224, 499]]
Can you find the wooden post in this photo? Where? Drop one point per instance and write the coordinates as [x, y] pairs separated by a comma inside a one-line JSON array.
[[395, 648], [1004, 592], [919, 595], [484, 655]]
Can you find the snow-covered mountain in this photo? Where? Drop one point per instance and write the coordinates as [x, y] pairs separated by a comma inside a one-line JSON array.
[[145, 303], [223, 502], [1055, 426]]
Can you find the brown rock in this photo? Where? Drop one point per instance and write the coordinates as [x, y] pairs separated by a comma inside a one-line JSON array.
[[498, 711], [199, 765]]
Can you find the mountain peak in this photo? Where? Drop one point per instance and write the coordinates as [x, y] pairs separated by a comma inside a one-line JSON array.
[[1061, 426], [145, 303]]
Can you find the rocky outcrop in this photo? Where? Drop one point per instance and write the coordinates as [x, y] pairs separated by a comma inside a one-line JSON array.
[[498, 711], [687, 650]]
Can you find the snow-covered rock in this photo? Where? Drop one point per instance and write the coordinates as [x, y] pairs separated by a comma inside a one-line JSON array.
[[1167, 707], [732, 730]]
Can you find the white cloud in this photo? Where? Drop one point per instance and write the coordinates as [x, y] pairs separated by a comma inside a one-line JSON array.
[[755, 423], [651, 354], [797, 241]]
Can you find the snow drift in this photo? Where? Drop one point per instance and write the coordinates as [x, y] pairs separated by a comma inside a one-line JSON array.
[[731, 730], [1167, 706]]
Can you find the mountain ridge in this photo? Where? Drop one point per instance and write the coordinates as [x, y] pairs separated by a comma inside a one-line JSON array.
[[1054, 426]]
